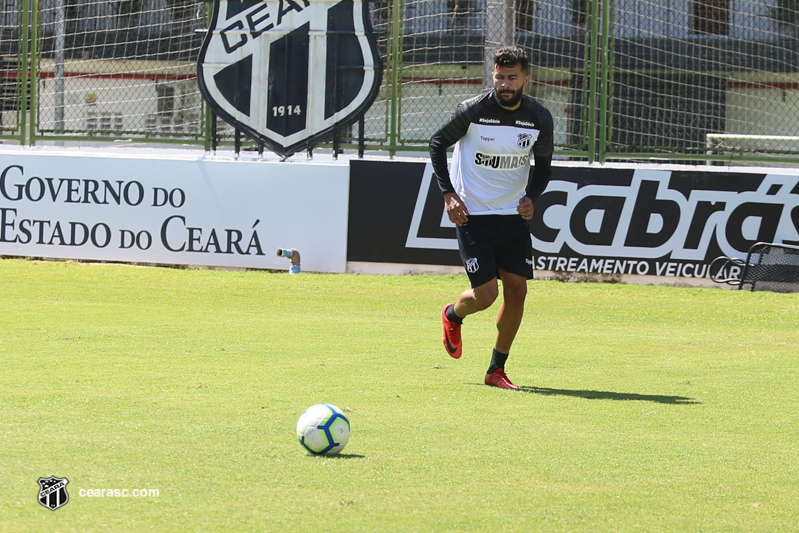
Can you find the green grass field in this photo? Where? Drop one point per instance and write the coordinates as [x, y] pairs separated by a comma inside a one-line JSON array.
[[642, 408]]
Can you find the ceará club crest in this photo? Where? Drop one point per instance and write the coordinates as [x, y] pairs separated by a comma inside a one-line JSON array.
[[289, 72]]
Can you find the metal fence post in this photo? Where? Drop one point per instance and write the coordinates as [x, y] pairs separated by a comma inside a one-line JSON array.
[[395, 62], [58, 74], [24, 58], [606, 79], [593, 78], [33, 78], [500, 31]]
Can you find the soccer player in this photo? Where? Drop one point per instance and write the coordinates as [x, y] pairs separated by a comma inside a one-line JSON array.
[[489, 195]]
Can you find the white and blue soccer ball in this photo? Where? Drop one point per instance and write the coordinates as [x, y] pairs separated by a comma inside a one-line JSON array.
[[323, 429]]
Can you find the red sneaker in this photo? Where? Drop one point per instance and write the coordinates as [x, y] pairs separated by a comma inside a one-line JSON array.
[[499, 379], [452, 335]]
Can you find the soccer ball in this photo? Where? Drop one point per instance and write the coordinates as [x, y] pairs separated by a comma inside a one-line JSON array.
[[323, 429]]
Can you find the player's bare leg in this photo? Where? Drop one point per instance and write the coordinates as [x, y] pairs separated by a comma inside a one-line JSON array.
[[477, 299], [470, 302], [509, 318]]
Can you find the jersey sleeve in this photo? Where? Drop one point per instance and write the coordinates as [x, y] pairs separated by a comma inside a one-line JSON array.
[[452, 131], [543, 148]]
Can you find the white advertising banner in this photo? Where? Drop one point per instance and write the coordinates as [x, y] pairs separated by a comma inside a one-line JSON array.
[[182, 210]]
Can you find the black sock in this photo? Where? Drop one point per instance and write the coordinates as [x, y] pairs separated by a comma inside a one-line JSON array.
[[451, 316], [497, 361]]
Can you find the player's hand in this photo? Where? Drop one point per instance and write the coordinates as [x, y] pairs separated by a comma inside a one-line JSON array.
[[525, 208], [456, 210]]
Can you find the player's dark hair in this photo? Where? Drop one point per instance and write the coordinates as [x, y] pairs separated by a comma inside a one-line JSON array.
[[510, 56]]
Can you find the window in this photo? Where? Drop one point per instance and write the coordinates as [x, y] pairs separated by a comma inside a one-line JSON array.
[[711, 17], [579, 9], [524, 15], [458, 11]]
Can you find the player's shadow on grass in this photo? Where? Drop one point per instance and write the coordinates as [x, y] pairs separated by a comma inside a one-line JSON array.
[[607, 395]]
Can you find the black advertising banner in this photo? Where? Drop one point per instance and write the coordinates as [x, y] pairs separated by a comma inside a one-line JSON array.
[[613, 221], [396, 214], [659, 222]]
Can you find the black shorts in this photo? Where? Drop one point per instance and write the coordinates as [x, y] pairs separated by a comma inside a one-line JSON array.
[[489, 243]]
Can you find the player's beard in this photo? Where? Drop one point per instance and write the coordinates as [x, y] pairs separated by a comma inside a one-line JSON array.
[[510, 101]]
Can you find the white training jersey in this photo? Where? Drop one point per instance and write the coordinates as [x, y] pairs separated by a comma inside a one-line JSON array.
[[491, 168]]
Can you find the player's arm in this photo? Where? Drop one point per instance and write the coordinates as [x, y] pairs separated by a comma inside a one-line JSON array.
[[452, 130], [540, 175], [543, 148], [541, 171]]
